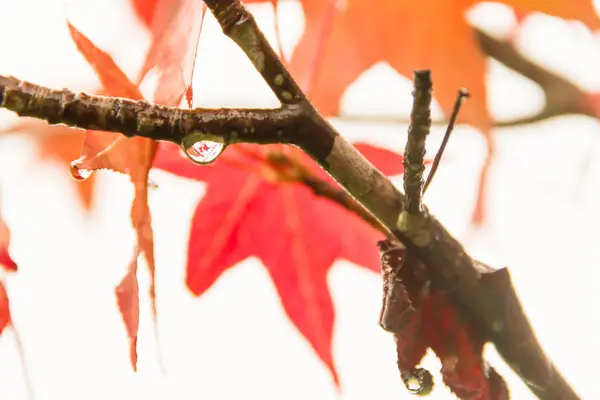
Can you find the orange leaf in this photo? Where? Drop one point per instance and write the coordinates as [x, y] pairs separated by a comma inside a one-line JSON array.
[[409, 35], [145, 10], [129, 304], [114, 81], [4, 308], [5, 260], [104, 150], [60, 143], [175, 26]]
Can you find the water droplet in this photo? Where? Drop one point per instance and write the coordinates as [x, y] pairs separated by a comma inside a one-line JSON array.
[[78, 173], [418, 381], [204, 151]]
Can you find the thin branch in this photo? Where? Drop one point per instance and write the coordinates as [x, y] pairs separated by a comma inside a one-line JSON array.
[[494, 302], [562, 96], [414, 152], [297, 172], [462, 95], [140, 118], [239, 24]]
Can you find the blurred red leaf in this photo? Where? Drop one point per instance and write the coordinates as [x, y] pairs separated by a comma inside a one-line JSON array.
[[129, 304], [409, 36], [175, 26], [145, 10], [341, 40], [248, 211], [5, 260], [7, 263], [61, 143], [4, 308], [104, 150]]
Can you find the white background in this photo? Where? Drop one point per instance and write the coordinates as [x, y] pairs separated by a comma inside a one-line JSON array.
[[236, 341]]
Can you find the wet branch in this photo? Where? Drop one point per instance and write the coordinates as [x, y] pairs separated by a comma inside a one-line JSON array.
[[140, 118], [493, 302]]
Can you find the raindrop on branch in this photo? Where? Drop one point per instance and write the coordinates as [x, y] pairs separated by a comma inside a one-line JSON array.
[[78, 173]]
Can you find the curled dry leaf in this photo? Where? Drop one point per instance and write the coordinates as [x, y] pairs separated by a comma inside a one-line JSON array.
[[421, 316], [253, 208]]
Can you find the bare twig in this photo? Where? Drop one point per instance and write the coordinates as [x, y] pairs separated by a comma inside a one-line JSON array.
[[297, 172], [562, 96], [462, 95], [492, 301], [414, 152]]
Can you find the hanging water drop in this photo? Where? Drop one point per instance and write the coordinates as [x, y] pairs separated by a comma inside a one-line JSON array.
[[202, 151], [418, 381], [78, 173]]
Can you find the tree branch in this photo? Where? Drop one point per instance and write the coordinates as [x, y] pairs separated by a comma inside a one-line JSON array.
[[562, 96], [140, 118], [493, 301], [293, 171]]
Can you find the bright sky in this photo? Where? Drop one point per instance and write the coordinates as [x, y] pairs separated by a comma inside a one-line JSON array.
[[236, 341]]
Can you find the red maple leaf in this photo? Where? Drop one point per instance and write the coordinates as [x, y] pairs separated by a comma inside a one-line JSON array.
[[250, 210], [175, 26]]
